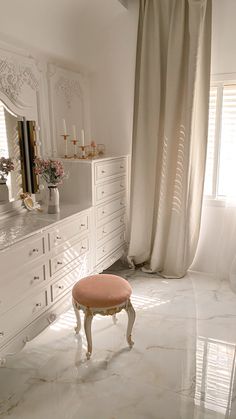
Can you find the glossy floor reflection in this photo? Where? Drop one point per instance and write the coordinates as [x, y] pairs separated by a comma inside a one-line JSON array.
[[181, 367]]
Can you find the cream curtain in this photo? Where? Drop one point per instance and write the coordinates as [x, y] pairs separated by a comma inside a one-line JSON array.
[[170, 133]]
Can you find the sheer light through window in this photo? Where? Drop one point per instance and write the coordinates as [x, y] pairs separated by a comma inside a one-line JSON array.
[[221, 150]]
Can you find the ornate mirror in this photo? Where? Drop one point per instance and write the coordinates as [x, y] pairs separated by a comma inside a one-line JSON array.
[[17, 154], [9, 151]]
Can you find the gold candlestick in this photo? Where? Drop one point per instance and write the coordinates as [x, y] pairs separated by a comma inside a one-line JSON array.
[[65, 139], [74, 142], [83, 152]]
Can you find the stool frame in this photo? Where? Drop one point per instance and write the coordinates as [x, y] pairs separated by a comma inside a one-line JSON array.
[[90, 312]]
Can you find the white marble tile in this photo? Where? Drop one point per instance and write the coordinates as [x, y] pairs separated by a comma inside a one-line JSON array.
[[182, 365]]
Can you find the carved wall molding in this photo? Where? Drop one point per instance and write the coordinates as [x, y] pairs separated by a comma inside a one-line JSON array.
[[68, 88], [14, 76]]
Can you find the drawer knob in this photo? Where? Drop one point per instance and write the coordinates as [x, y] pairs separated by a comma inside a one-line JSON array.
[[83, 247], [58, 237], [103, 171], [82, 225], [121, 203], [36, 277], [1, 334], [103, 192], [60, 287], [35, 250], [103, 212], [121, 167], [38, 304], [104, 231], [59, 263], [122, 186]]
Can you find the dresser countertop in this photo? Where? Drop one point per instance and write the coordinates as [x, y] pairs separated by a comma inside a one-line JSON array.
[[27, 223]]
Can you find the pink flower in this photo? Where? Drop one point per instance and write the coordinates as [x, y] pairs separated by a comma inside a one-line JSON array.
[[52, 171], [6, 166]]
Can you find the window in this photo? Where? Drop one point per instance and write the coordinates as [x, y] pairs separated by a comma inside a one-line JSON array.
[[221, 150]]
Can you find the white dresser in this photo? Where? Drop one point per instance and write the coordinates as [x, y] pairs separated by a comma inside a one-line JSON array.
[[38, 272], [42, 255], [103, 184]]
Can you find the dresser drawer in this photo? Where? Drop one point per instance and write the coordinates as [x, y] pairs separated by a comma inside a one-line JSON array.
[[21, 315], [19, 283], [62, 259], [62, 286], [110, 246], [66, 283], [109, 208], [61, 234], [107, 190], [104, 170], [21, 253], [109, 227]]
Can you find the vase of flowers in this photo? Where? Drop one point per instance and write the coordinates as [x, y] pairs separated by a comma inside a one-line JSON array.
[[52, 172], [6, 166]]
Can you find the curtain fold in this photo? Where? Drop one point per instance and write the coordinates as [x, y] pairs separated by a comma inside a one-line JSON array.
[[170, 133]]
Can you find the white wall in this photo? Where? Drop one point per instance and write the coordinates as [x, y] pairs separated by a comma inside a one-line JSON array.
[[223, 62], [224, 36], [68, 31], [96, 37], [112, 85]]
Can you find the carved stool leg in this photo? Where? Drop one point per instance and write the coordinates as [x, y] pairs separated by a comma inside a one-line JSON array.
[[77, 314], [131, 318], [87, 328]]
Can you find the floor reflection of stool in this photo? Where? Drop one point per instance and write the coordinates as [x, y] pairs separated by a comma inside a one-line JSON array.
[[102, 294]]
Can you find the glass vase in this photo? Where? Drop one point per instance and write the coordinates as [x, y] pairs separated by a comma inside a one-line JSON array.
[[53, 199], [4, 192]]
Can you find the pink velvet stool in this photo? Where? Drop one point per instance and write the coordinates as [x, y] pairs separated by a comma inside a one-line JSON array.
[[102, 294]]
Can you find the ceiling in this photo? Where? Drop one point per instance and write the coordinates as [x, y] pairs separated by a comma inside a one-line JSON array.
[[70, 30]]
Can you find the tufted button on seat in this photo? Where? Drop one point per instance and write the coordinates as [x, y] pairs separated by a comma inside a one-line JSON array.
[[102, 294]]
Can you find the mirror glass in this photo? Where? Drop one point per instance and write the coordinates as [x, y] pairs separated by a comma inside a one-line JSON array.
[[18, 150], [10, 148]]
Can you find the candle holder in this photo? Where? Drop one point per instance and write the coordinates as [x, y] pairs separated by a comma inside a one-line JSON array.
[[65, 136], [93, 149], [100, 149], [83, 154], [74, 142]]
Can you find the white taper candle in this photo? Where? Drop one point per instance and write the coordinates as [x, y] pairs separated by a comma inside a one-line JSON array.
[[74, 132], [82, 138], [64, 126]]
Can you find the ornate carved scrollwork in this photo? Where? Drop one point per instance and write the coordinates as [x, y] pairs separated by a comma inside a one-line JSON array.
[[68, 88], [13, 77]]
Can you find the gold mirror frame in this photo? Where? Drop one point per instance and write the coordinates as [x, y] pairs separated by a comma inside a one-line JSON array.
[[28, 152]]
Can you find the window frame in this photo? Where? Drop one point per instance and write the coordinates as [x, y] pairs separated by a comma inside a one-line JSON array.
[[218, 81]]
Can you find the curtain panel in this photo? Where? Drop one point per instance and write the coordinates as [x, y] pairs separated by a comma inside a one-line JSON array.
[[169, 133]]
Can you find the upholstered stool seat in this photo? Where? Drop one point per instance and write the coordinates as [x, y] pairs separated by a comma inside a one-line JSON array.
[[102, 294]]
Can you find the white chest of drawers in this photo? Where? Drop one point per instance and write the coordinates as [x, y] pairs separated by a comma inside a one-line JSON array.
[[37, 274], [103, 183], [39, 269]]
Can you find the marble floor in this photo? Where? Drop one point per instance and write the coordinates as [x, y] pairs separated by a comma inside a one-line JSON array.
[[182, 365]]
